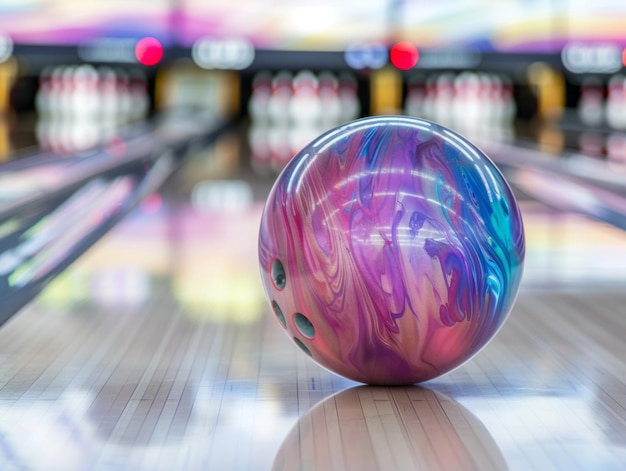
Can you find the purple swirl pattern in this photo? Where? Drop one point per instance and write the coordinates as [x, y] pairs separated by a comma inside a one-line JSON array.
[[391, 250]]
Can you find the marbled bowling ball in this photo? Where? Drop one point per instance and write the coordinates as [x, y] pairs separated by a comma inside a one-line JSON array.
[[391, 250]]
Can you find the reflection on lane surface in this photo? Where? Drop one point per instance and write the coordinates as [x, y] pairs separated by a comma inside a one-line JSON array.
[[388, 428]]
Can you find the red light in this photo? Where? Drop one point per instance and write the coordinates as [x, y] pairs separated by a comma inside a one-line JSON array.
[[148, 51], [404, 55], [624, 57]]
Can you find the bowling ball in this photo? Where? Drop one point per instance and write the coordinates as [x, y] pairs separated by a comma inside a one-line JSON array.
[[391, 250]]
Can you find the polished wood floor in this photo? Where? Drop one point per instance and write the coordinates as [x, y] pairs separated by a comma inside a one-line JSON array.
[[157, 351]]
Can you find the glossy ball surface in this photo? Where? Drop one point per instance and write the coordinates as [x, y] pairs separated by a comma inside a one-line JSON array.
[[391, 250]]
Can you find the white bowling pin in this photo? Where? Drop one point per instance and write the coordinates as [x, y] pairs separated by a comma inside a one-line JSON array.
[[415, 97], [591, 104], [278, 106], [616, 103], [304, 105], [258, 105]]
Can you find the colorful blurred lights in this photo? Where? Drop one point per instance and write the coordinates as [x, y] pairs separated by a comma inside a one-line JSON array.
[[152, 204], [149, 51], [404, 55]]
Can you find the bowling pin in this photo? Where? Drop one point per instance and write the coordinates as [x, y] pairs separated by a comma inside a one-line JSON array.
[[305, 107], [42, 97], [416, 95], [108, 96], [615, 110], [591, 103], [68, 87], [278, 106], [258, 105], [84, 101], [429, 97], [444, 99], [466, 106], [56, 90]]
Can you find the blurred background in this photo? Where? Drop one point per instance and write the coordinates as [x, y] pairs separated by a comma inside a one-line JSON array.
[[551, 71], [139, 140]]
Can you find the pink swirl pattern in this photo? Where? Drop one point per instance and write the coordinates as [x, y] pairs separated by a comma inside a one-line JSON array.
[[391, 250]]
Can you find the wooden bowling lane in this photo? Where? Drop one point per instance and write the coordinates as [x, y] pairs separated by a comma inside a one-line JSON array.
[[157, 351]]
